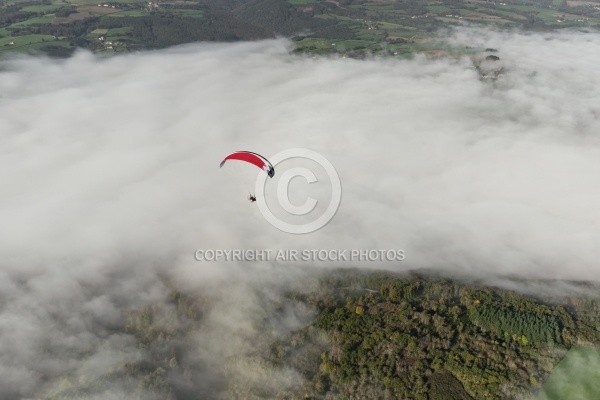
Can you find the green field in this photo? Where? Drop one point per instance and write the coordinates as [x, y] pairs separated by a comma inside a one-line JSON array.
[[34, 44], [44, 8], [96, 2], [327, 27], [19, 41], [132, 13], [190, 13], [46, 19]]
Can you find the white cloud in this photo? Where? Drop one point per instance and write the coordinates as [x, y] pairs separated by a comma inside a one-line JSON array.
[[109, 170]]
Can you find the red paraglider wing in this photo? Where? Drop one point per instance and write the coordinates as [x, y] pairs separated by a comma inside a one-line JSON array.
[[252, 158]]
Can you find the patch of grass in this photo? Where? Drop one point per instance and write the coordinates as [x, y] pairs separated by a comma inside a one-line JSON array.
[[344, 45], [132, 13], [315, 43], [133, 1], [20, 41], [389, 25], [118, 34], [96, 2], [36, 44], [189, 13], [370, 35], [43, 8], [46, 19]]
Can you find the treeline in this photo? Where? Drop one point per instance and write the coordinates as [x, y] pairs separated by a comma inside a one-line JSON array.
[[166, 29], [72, 30], [12, 15]]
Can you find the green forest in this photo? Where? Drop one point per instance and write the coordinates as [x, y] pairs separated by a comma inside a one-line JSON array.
[[374, 335]]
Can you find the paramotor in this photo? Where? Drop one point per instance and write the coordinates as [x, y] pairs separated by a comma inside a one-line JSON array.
[[251, 158]]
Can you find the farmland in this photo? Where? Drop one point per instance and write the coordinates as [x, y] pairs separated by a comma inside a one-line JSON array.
[[347, 27]]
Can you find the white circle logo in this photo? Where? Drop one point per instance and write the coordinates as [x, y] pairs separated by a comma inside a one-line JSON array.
[[305, 221]]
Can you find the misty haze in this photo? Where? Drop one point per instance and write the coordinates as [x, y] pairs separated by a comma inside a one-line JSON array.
[[481, 192]]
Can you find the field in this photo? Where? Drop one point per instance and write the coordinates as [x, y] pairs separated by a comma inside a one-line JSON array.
[[349, 27]]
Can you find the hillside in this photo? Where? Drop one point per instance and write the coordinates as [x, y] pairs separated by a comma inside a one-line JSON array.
[[365, 335], [347, 27]]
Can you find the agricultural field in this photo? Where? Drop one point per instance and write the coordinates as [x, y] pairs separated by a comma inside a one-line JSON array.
[[412, 23], [352, 28]]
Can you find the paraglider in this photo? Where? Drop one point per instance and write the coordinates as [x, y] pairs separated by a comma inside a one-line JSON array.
[[252, 158]]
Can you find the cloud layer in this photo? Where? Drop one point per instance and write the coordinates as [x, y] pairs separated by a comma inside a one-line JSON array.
[[109, 174]]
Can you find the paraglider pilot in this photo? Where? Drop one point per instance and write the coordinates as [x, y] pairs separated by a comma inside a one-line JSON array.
[[252, 158]]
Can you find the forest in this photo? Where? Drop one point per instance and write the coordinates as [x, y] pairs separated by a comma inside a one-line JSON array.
[[369, 335]]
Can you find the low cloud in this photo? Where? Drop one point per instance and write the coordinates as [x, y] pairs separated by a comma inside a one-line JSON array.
[[109, 179]]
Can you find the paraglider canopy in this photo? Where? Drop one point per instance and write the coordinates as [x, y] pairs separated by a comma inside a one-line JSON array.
[[252, 158]]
